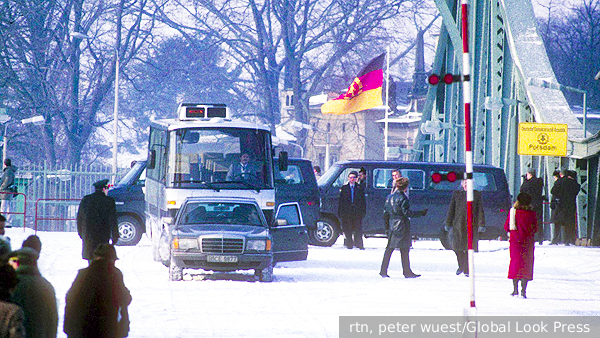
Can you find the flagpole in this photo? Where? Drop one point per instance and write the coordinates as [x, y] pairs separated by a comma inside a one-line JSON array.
[[387, 94]]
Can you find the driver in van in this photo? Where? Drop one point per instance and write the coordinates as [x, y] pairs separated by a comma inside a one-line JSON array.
[[242, 170]]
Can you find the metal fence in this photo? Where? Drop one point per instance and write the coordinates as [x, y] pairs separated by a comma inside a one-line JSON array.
[[49, 195]]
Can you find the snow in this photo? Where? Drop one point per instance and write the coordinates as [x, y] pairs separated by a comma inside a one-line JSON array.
[[306, 298]]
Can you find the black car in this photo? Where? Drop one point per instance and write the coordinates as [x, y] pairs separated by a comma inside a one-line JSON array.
[[424, 193], [232, 233], [298, 184], [128, 194]]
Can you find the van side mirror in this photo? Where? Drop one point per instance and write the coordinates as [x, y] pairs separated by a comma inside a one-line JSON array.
[[167, 220], [151, 159], [283, 161]]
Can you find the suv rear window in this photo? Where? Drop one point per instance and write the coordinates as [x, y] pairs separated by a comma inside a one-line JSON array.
[[482, 182]]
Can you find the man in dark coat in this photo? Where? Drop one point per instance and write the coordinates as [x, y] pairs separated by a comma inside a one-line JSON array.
[[351, 209], [564, 196], [396, 213], [457, 221], [34, 294], [97, 219], [97, 297], [534, 187]]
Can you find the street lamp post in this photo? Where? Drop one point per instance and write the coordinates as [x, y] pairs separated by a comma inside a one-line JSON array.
[[116, 118]]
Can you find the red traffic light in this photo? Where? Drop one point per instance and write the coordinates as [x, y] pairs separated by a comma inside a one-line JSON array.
[[436, 177], [434, 79], [450, 177]]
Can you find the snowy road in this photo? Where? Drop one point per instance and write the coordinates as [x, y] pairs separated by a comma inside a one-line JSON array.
[[307, 298]]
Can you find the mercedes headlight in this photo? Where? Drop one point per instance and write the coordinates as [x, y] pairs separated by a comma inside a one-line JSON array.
[[185, 243], [258, 244]]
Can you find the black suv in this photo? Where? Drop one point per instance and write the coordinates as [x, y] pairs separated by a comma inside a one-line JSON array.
[[424, 193], [298, 184], [129, 199]]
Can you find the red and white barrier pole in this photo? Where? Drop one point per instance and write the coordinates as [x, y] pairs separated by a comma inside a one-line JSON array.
[[466, 83]]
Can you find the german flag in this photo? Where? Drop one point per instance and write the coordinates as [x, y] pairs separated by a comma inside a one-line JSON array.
[[364, 92]]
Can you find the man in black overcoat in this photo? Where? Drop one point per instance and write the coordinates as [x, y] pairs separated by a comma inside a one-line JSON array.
[[351, 210], [534, 187], [97, 219], [457, 220], [96, 299], [564, 195]]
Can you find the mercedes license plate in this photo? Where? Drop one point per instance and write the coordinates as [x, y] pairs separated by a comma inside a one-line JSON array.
[[221, 259]]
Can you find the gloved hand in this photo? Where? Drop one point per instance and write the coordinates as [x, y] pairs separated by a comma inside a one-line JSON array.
[[481, 230]]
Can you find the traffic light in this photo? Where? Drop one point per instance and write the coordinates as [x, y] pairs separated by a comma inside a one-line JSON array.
[[449, 176], [435, 79]]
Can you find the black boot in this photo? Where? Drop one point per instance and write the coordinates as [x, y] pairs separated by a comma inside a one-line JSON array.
[[524, 288], [515, 287]]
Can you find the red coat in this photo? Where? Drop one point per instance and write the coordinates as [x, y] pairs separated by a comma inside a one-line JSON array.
[[521, 244]]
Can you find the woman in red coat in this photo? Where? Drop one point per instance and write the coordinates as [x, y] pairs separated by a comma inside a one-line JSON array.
[[521, 225]]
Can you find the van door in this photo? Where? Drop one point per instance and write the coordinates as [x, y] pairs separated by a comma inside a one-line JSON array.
[[290, 239]]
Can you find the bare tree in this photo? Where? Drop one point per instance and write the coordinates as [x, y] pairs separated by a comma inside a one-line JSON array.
[[58, 60], [573, 44]]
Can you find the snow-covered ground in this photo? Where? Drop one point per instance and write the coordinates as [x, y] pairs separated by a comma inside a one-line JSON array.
[[306, 298]]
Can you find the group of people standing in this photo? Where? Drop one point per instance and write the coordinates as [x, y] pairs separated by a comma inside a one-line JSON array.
[[524, 223], [96, 303]]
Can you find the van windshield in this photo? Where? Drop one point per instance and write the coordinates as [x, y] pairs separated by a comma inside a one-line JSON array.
[[220, 158]]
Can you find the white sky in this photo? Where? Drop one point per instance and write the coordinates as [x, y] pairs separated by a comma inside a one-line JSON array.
[[306, 298]]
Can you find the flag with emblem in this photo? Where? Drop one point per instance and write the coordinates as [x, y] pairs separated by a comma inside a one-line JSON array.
[[364, 92]]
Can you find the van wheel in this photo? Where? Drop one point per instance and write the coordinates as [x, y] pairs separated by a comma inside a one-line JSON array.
[[130, 230], [175, 272], [164, 250], [446, 238], [326, 233]]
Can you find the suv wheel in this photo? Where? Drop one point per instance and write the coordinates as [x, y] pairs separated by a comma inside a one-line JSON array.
[[130, 230], [326, 233], [175, 272]]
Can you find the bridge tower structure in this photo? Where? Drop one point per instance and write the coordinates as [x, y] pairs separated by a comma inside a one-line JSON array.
[[512, 81]]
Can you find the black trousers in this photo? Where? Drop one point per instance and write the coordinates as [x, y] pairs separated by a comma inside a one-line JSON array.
[[570, 233], [403, 256], [352, 227], [463, 260]]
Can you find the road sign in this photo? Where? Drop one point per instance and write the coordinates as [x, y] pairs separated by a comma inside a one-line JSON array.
[[543, 139]]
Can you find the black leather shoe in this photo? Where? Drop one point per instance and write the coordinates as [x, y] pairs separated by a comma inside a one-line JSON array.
[[384, 275], [459, 271], [414, 275], [515, 293], [360, 248], [523, 294]]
